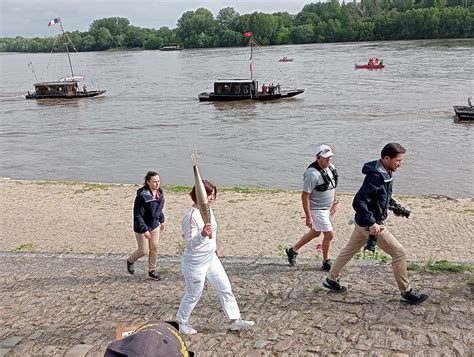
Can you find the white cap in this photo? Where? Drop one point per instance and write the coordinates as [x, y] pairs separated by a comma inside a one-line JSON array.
[[324, 151]]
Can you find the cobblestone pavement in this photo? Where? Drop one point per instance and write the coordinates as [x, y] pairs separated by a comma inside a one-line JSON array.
[[71, 304]]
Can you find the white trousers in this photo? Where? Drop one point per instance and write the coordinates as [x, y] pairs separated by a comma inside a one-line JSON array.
[[194, 278]]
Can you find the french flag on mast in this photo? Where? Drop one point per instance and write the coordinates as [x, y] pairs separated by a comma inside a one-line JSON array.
[[57, 20]]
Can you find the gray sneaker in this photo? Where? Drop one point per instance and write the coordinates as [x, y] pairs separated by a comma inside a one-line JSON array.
[[334, 285], [414, 297], [154, 275], [292, 255], [327, 265]]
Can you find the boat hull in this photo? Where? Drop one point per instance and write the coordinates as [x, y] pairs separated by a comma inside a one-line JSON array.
[[464, 113], [369, 66], [88, 94], [211, 97]]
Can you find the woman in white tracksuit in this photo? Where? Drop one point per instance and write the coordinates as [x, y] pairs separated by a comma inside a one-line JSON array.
[[200, 261]]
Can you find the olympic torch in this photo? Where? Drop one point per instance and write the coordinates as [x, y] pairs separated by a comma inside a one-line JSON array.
[[201, 194]]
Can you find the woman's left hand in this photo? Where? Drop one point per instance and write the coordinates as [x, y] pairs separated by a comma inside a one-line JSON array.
[[218, 252], [333, 210], [162, 226]]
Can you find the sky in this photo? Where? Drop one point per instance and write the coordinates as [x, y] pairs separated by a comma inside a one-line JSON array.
[[29, 18]]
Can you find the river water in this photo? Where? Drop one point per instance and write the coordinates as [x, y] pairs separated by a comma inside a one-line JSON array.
[[150, 117]]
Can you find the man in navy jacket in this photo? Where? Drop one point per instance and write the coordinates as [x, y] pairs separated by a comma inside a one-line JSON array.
[[371, 204]]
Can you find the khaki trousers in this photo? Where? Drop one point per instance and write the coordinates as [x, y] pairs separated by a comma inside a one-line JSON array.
[[387, 242], [147, 246]]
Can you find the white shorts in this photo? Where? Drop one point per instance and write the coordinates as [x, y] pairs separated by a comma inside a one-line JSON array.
[[321, 221]]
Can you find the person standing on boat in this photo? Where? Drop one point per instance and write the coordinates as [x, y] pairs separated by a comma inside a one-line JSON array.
[[371, 203], [148, 221], [319, 203], [200, 261], [84, 88]]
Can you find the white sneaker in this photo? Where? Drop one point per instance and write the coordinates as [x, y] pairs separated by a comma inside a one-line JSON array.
[[186, 329], [240, 324]]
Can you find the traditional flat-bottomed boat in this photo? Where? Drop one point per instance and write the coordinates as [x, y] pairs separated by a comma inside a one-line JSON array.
[[464, 113], [246, 89], [67, 87]]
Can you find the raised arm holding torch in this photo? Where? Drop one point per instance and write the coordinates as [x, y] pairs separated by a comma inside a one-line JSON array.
[[201, 194]]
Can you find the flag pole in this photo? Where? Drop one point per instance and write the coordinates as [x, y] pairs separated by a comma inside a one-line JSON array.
[[67, 48], [251, 57]]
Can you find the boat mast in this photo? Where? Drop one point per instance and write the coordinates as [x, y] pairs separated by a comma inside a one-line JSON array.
[[251, 57], [67, 49]]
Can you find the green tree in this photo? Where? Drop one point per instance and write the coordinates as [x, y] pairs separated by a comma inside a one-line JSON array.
[[228, 38], [153, 42], [88, 43], [115, 25], [134, 38], [197, 28], [302, 34], [104, 39], [227, 17]]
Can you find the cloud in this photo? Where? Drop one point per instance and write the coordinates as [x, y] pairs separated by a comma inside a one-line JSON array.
[[29, 18]]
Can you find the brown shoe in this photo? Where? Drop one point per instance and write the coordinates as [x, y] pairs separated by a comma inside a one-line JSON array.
[[154, 275]]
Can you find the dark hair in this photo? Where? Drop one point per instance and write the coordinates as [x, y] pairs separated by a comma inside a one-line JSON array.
[[148, 176], [392, 150], [208, 186]]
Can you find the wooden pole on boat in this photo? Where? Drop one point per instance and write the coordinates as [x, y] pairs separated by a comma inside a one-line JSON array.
[[251, 58], [67, 48]]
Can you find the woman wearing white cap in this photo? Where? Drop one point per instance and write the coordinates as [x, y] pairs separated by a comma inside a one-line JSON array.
[[319, 203]]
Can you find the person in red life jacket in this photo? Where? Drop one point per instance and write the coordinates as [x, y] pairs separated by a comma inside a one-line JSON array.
[[264, 89], [148, 221]]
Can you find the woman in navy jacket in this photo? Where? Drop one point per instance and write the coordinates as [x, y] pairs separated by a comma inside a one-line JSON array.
[[148, 221]]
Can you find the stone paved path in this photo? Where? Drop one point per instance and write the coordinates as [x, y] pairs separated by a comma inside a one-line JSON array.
[[71, 304]]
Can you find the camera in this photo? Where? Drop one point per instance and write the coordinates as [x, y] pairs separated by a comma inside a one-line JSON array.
[[399, 210], [371, 243]]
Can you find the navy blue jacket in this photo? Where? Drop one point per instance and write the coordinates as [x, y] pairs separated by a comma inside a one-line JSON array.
[[373, 198], [147, 210]]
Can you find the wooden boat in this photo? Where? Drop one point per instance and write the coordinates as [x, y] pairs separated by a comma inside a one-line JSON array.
[[173, 47], [243, 89], [66, 87], [246, 89], [285, 59], [464, 112], [369, 66]]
